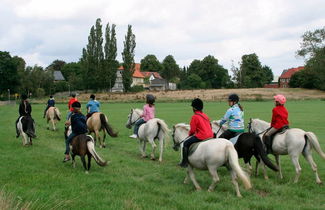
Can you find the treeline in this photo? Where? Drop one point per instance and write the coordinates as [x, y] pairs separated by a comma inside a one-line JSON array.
[[313, 50], [97, 67]]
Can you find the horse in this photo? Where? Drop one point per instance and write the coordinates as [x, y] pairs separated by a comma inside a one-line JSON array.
[[246, 145], [53, 114], [83, 145], [26, 128], [292, 142], [148, 132], [210, 155], [98, 122]]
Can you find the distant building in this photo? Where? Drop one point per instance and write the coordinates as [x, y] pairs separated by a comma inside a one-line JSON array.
[[286, 75], [274, 83], [58, 76], [158, 84], [137, 78]]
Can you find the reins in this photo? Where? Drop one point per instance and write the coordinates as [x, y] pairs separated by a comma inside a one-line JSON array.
[[132, 123]]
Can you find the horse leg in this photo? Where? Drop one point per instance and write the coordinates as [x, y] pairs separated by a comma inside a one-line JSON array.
[[84, 163], [266, 177], [186, 179], [89, 159], [313, 165], [142, 146], [161, 144], [99, 139], [48, 125], [234, 181], [104, 137], [192, 176], [53, 124], [215, 177], [295, 161], [256, 167], [153, 146], [277, 159], [73, 160]]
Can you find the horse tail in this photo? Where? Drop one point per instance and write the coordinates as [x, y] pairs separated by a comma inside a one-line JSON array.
[[232, 157], [164, 128], [107, 126], [91, 149], [57, 114], [314, 142], [258, 147]]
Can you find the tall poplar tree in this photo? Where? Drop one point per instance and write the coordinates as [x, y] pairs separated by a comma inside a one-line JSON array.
[[110, 62], [128, 59]]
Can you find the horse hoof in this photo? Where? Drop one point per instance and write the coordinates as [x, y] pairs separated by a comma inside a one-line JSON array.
[[198, 189], [320, 183], [209, 190], [86, 172], [153, 158]]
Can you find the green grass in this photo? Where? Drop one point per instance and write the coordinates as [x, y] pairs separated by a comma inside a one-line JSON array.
[[37, 176]]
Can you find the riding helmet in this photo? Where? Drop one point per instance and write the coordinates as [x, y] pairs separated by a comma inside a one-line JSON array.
[[76, 104], [233, 97], [73, 95], [197, 104], [92, 96], [150, 99], [280, 98], [23, 96]]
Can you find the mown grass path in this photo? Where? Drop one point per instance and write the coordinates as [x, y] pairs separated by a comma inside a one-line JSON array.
[[36, 174]]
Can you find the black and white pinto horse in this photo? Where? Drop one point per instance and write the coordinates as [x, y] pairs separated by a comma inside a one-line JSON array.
[[292, 142], [26, 128], [148, 132], [246, 145]]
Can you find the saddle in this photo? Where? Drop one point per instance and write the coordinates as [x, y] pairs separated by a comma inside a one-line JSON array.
[[280, 131], [195, 145], [233, 140]]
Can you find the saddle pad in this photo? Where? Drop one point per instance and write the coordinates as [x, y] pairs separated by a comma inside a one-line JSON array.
[[234, 139]]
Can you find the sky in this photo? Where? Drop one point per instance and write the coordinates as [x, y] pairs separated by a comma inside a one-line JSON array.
[[41, 31]]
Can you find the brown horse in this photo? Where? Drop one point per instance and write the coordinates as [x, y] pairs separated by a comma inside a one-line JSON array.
[[97, 122], [53, 115]]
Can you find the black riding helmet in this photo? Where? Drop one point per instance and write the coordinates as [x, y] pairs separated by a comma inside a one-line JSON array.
[[73, 95], [197, 104], [76, 104], [92, 96], [23, 96], [150, 99], [233, 97]]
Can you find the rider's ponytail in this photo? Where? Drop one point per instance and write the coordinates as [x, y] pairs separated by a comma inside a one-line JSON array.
[[240, 107]]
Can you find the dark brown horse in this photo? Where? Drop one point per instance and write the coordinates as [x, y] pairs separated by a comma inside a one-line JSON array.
[[83, 145]]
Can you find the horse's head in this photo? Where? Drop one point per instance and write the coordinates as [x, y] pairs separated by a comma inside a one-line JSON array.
[[180, 132], [133, 116], [216, 128], [257, 126]]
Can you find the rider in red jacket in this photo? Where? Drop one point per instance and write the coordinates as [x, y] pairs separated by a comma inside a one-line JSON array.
[[200, 129], [279, 120]]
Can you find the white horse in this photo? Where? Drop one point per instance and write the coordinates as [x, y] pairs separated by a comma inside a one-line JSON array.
[[28, 123], [53, 114], [209, 155], [148, 132], [292, 142]]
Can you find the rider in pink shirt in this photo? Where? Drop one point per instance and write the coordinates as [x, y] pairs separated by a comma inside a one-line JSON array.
[[148, 114]]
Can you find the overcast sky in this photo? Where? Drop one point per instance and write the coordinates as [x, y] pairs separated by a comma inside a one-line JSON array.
[[41, 31]]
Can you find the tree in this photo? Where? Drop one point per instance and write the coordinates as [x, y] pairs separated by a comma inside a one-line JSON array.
[[150, 63], [8, 73], [252, 73], [56, 65], [311, 42], [128, 59], [170, 68], [110, 62], [72, 72]]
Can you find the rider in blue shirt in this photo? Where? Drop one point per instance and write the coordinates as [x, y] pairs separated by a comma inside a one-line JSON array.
[[92, 106], [50, 103]]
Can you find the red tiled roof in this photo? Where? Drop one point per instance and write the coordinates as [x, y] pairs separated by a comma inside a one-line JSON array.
[[137, 72], [289, 72], [148, 74]]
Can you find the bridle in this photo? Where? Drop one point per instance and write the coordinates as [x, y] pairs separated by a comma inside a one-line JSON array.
[[176, 145], [250, 129], [130, 123]]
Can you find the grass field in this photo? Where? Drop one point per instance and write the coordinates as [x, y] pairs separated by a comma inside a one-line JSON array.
[[36, 177]]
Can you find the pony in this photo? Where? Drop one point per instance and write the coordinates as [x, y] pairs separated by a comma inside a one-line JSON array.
[[26, 128], [246, 145], [292, 142], [148, 132], [53, 114], [210, 155], [98, 122], [83, 145]]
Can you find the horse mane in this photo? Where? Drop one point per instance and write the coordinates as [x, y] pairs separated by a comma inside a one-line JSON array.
[[183, 126], [138, 111]]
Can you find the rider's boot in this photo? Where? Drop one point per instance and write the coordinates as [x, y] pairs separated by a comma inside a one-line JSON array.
[[184, 162], [268, 144]]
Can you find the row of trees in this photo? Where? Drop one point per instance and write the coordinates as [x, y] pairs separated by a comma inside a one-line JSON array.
[[313, 50], [96, 69]]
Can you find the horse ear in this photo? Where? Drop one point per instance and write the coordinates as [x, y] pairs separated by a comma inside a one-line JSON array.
[[250, 119]]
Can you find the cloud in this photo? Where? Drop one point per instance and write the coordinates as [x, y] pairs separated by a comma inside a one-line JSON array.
[[47, 30]]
